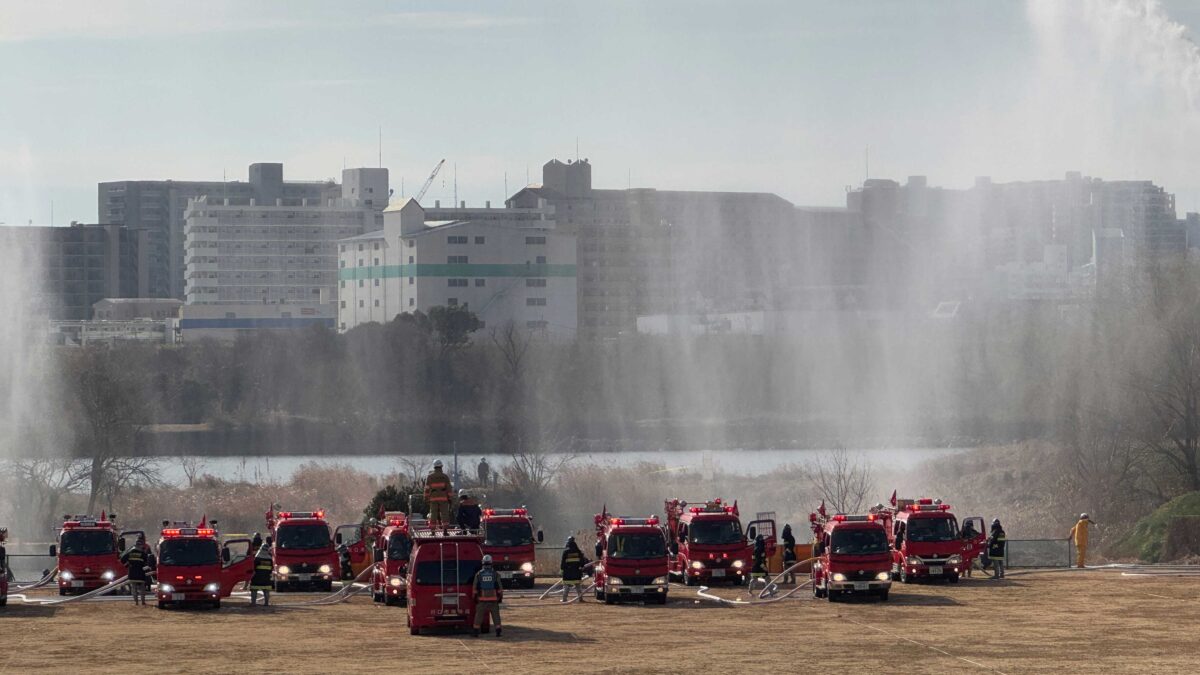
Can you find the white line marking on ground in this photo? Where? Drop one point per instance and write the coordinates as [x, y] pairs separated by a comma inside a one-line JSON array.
[[922, 644], [475, 656]]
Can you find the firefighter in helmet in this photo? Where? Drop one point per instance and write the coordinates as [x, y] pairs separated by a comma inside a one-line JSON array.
[[996, 548], [137, 562], [758, 572], [573, 561], [469, 512], [488, 595], [437, 495], [1079, 534], [261, 581]]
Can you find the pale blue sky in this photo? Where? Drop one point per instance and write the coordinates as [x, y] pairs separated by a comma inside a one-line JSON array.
[[772, 96]]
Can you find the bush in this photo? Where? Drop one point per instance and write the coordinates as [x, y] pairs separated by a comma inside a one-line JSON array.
[[1148, 538]]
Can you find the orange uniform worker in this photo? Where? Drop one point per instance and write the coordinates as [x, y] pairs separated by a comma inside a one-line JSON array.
[[437, 495], [1080, 534]]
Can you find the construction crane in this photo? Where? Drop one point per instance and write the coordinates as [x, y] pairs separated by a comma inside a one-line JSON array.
[[429, 181]]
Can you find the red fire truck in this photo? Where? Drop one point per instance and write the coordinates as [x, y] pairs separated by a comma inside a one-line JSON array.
[[631, 559], [87, 552], [392, 546], [925, 540], [707, 543], [195, 569], [508, 537], [852, 556], [302, 550], [441, 572]]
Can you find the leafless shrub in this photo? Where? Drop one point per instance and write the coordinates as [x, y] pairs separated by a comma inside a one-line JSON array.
[[843, 483]]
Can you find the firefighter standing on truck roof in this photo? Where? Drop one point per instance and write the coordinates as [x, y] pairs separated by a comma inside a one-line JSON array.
[[488, 595], [469, 513], [437, 495], [261, 581], [137, 560], [571, 565], [996, 549], [1080, 534]]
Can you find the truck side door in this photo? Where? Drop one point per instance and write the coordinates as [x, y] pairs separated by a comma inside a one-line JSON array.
[[973, 544], [238, 567]]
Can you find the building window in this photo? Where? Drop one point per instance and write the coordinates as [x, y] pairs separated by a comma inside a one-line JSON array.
[[360, 262], [377, 262], [536, 324], [360, 303], [360, 245], [376, 248], [342, 284], [480, 282], [452, 302], [535, 241], [230, 315], [456, 283], [376, 283], [376, 303], [456, 239], [341, 263], [360, 283], [412, 301], [343, 304], [535, 283], [535, 302], [343, 325], [411, 243], [410, 281], [479, 240], [456, 260], [541, 260], [342, 248], [410, 260]]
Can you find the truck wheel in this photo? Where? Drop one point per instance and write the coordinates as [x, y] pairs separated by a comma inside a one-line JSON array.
[[62, 591], [883, 596], [327, 587], [216, 604], [389, 601], [608, 599], [832, 595], [413, 630], [403, 601], [661, 599], [953, 578], [162, 605]]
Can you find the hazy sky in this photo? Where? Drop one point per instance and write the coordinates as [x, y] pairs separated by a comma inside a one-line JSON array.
[[773, 96]]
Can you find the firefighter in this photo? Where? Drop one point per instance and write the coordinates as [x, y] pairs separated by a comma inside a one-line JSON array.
[[257, 542], [484, 471], [137, 560], [995, 548], [1080, 534], [968, 535], [488, 595], [571, 565], [261, 581], [345, 563], [759, 571], [789, 554], [437, 495], [469, 513]]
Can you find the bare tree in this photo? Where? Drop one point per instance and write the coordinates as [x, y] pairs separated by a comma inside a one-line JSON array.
[[843, 484], [1171, 392], [36, 488], [533, 468], [513, 346], [192, 466], [412, 472]]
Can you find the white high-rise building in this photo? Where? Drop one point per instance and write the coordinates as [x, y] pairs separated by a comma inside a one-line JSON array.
[[505, 265]]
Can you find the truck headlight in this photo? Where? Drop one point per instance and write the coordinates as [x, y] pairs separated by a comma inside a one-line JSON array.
[[697, 565], [914, 560], [166, 588], [883, 576], [283, 569], [527, 567], [65, 575], [324, 569], [739, 564], [615, 581], [108, 575], [660, 581], [838, 576], [955, 559], [212, 588], [395, 581]]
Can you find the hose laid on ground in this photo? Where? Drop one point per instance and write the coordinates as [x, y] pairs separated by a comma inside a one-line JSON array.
[[111, 586], [39, 583]]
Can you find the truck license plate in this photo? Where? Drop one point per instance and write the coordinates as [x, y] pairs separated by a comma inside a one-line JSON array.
[[177, 597], [718, 573], [935, 570], [862, 585], [76, 584], [303, 577], [506, 575]]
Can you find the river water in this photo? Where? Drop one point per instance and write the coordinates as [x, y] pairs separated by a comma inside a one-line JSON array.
[[279, 468]]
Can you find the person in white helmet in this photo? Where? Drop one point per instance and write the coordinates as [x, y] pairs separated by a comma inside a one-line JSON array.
[[489, 593], [1080, 534], [437, 496]]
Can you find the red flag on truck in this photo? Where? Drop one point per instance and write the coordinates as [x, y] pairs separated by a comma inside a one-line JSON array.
[[821, 508], [893, 497]]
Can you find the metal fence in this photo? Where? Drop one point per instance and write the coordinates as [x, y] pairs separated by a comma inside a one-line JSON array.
[[1038, 553]]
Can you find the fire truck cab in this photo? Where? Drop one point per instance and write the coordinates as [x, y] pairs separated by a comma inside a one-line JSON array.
[[924, 539], [392, 549], [87, 553], [508, 536], [441, 573], [852, 556], [706, 542], [631, 559], [302, 550], [195, 568]]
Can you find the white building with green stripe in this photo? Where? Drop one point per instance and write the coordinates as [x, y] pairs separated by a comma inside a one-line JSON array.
[[505, 265]]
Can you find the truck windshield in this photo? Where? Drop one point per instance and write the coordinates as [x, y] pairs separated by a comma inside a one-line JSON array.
[[932, 529], [437, 572], [87, 542], [399, 546], [302, 536], [858, 542], [507, 534], [716, 532], [636, 546], [188, 552]]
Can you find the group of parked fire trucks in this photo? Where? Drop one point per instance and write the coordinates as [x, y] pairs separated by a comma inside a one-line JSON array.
[[430, 570]]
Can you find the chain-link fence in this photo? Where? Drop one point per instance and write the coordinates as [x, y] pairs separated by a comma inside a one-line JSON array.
[[1038, 553]]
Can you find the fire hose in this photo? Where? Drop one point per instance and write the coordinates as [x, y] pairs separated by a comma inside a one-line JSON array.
[[92, 594], [39, 583], [348, 590], [767, 595]]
